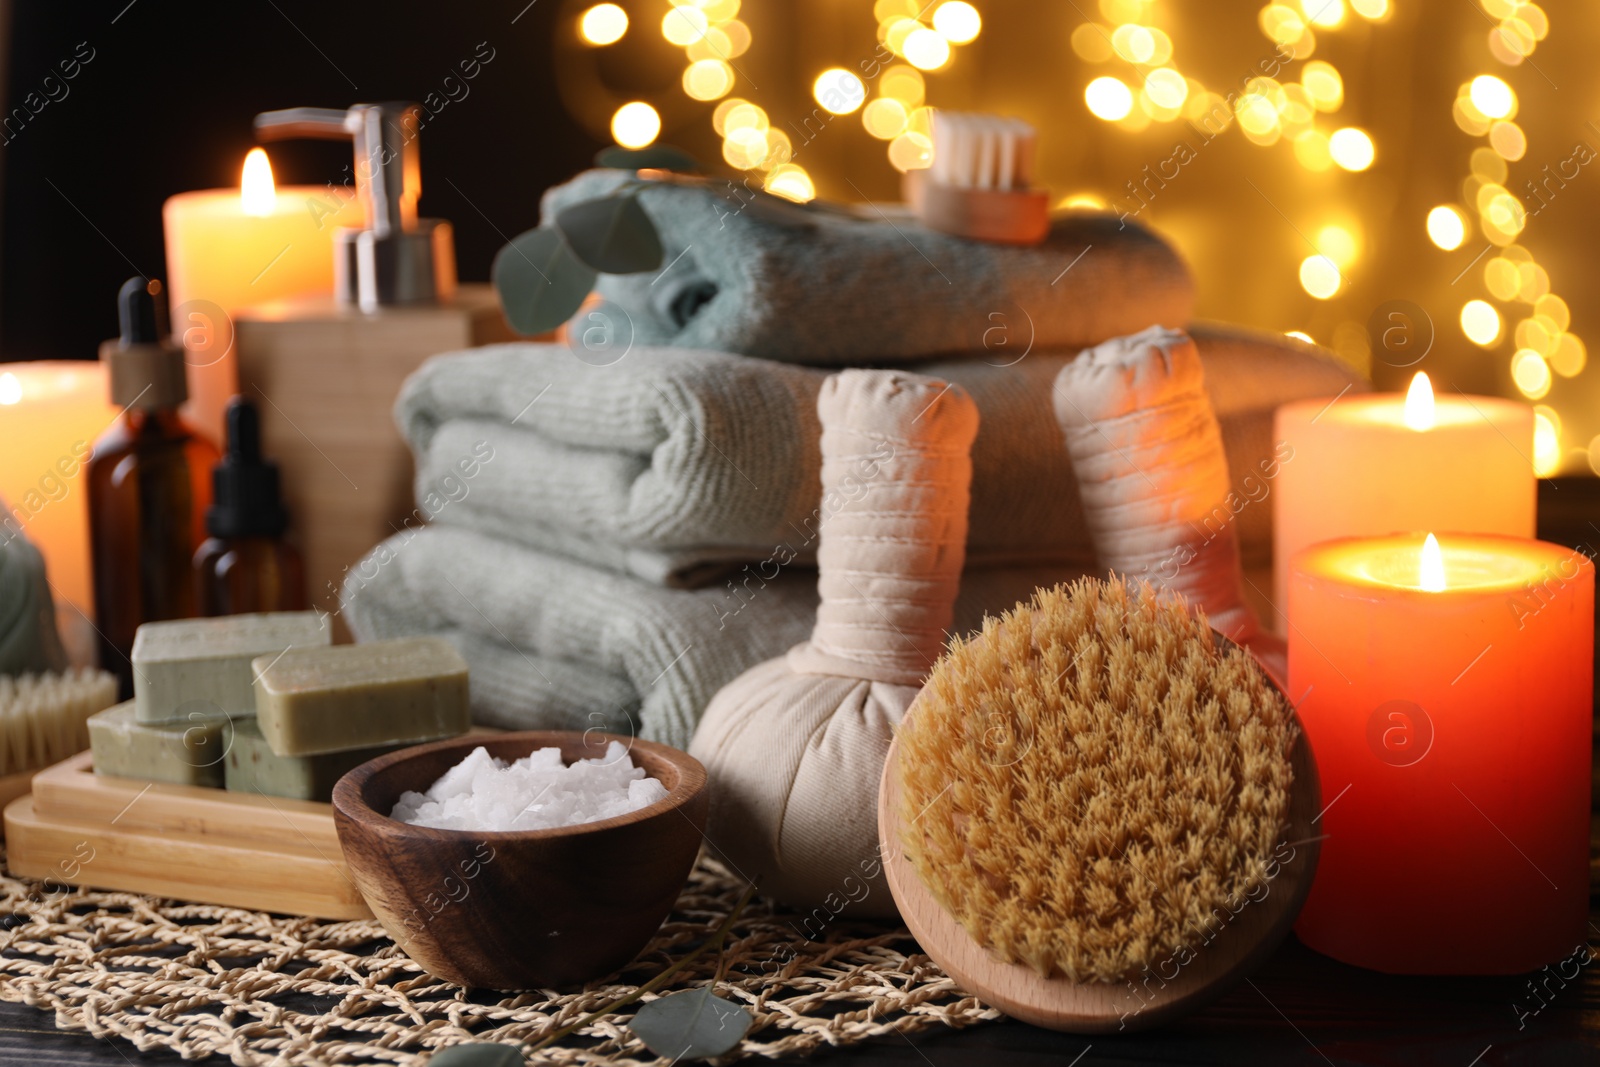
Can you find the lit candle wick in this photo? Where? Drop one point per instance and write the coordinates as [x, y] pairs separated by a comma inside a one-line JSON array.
[[1419, 403], [257, 193], [1431, 576]]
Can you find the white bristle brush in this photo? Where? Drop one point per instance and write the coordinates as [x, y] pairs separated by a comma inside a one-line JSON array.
[[979, 184], [44, 717]]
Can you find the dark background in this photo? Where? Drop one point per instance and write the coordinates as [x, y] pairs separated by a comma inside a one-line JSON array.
[[166, 106]]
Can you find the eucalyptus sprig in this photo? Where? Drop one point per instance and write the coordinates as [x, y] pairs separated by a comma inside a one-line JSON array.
[[544, 275]]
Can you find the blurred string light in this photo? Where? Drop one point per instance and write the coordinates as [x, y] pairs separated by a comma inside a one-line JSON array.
[[925, 36], [1535, 320], [635, 124], [1265, 110], [603, 24]]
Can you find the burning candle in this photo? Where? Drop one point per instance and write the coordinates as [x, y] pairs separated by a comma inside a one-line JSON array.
[[1369, 465], [50, 415], [1446, 688], [234, 248]]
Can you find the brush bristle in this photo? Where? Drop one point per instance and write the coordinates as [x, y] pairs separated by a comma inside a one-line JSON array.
[[44, 717], [1087, 781]]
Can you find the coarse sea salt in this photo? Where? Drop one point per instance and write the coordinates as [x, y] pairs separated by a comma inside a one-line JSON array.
[[537, 792]]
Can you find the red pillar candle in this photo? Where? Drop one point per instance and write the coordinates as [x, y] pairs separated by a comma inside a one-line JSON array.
[[1447, 690]]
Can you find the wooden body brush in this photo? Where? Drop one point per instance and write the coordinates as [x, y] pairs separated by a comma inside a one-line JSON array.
[[44, 719], [1098, 812], [795, 747], [980, 182]]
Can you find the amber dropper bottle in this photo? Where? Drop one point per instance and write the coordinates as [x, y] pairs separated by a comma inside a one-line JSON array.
[[246, 565], [148, 485]]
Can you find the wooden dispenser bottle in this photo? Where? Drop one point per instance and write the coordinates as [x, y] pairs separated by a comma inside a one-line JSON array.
[[324, 371]]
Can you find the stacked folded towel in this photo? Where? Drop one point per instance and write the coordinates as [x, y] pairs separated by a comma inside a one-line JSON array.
[[610, 545], [575, 509]]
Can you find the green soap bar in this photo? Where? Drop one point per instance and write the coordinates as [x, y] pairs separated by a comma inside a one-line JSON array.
[[254, 768], [185, 665], [190, 752], [314, 700]]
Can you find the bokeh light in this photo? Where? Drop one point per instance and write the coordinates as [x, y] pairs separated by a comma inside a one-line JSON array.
[[1492, 97], [707, 79], [926, 49], [911, 151], [1481, 323], [603, 24], [684, 25], [884, 118], [1530, 373], [1108, 98], [957, 21], [635, 124], [1351, 148], [1446, 228], [839, 91], [1319, 276], [791, 181]]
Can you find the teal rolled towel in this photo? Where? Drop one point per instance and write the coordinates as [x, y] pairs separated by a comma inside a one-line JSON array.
[[29, 641], [747, 273]]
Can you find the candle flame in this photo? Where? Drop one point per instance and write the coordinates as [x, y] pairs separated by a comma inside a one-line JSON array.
[[1432, 566], [10, 388], [257, 194], [1419, 403]]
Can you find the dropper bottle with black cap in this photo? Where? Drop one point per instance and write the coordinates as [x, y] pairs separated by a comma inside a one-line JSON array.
[[246, 565], [149, 482]]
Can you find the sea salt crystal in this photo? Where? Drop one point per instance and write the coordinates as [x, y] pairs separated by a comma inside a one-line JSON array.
[[537, 792]]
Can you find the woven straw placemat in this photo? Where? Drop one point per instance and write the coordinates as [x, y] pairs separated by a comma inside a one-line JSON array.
[[257, 988]]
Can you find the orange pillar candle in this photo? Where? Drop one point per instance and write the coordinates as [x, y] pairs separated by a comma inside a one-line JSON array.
[[1446, 687], [233, 248], [1387, 463], [50, 415]]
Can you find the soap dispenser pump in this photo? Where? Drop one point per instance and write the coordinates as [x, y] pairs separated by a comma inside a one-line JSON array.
[[148, 485], [396, 258], [246, 565]]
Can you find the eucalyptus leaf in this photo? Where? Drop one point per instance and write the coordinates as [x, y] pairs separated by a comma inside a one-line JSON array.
[[540, 282], [693, 1024], [657, 157], [611, 234], [479, 1054]]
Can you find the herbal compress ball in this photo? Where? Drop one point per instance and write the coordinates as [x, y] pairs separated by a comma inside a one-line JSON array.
[[1087, 780]]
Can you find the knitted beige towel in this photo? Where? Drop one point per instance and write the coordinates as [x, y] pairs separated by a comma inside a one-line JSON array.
[[672, 459], [555, 644]]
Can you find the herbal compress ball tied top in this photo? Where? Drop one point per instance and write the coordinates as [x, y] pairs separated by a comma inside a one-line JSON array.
[[796, 745], [1147, 453]]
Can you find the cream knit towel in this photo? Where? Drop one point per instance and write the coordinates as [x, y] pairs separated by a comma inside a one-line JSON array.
[[554, 644], [672, 460]]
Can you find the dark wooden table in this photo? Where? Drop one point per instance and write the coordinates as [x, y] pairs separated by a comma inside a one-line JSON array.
[[1302, 1008]]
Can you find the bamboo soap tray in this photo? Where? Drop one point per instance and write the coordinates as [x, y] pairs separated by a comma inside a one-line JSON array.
[[195, 844]]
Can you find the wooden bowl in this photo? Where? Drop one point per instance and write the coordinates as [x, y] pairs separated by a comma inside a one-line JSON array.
[[1238, 943], [521, 909]]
